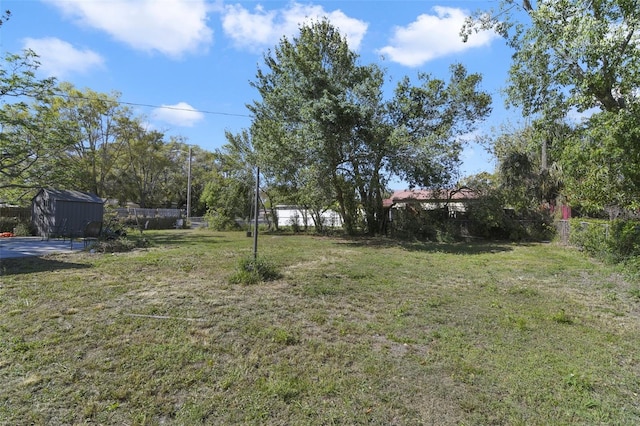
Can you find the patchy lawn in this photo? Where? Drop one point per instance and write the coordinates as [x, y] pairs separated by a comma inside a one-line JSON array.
[[362, 331]]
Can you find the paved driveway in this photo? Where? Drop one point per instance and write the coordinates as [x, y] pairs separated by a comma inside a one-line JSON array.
[[13, 247]]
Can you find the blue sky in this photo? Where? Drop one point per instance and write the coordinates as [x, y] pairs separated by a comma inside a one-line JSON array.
[[197, 57]]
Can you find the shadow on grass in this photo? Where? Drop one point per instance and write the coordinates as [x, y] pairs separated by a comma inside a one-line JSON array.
[[182, 237], [470, 248], [30, 265]]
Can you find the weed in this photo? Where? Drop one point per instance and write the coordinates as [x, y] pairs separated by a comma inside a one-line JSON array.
[[561, 317], [252, 271], [579, 382], [524, 291]]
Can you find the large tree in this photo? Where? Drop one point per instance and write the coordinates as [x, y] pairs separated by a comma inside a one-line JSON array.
[[601, 162], [582, 55], [529, 172], [569, 53], [31, 133], [143, 166], [322, 122], [92, 119]]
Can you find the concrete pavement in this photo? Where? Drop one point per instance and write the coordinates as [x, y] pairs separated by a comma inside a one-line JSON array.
[[14, 247]]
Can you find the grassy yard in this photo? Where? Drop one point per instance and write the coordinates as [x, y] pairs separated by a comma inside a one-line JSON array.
[[354, 332]]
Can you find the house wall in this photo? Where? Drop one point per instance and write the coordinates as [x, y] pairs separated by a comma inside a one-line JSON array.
[[288, 215]]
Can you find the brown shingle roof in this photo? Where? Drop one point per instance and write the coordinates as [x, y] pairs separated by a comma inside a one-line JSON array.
[[413, 195]]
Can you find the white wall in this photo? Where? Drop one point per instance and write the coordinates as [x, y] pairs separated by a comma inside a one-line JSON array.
[[287, 215]]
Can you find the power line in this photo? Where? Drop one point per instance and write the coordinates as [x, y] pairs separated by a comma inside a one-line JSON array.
[[185, 109], [229, 114]]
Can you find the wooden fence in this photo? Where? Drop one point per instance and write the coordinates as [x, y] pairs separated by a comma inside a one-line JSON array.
[[22, 213]]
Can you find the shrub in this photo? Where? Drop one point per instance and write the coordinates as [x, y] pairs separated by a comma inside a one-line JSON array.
[[252, 271], [119, 245], [16, 226], [220, 222], [615, 241], [589, 236], [624, 240], [23, 230], [489, 219]]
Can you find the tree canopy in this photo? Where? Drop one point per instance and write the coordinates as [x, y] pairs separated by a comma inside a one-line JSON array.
[[322, 123], [584, 56]]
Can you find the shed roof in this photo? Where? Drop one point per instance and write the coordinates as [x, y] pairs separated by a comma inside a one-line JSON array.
[[72, 195]]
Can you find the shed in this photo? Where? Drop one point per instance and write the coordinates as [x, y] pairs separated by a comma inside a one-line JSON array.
[[66, 213]]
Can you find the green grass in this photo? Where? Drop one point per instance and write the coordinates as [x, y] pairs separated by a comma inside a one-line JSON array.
[[353, 331]]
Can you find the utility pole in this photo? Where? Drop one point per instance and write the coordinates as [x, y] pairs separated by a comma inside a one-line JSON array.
[[255, 219], [189, 188]]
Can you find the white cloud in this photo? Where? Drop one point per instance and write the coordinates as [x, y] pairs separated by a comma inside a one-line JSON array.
[[181, 114], [171, 27], [432, 36], [59, 58], [258, 29]]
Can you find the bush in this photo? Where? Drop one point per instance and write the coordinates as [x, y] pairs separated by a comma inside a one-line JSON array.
[[119, 245], [615, 241], [15, 226], [23, 230], [252, 271], [489, 219], [220, 222], [624, 240]]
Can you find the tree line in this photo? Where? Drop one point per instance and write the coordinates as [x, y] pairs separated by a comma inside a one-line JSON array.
[[324, 135]]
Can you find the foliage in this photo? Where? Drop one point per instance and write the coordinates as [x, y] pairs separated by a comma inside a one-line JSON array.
[[412, 223], [220, 222], [614, 241], [568, 54], [427, 120], [30, 135], [487, 217], [15, 226], [228, 193], [119, 245], [92, 120], [322, 127], [145, 168], [579, 55], [63, 137], [601, 162], [529, 172]]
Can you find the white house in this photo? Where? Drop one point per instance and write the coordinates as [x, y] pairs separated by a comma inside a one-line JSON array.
[[299, 216]]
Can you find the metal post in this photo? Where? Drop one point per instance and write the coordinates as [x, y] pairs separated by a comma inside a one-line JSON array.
[[255, 223], [189, 188]]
